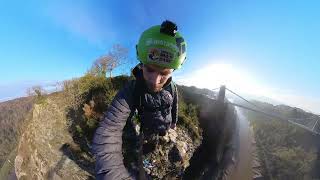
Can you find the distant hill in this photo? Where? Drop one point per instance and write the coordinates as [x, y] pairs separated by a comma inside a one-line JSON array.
[[294, 114], [288, 151], [13, 114]]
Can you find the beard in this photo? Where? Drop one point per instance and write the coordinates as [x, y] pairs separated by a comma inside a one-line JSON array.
[[154, 88]]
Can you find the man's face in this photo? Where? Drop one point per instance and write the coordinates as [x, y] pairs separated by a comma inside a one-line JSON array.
[[155, 76]]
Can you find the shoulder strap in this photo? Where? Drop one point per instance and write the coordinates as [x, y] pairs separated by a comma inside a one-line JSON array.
[[173, 88], [137, 95]]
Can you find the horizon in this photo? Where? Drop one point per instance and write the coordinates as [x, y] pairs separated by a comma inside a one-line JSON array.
[[52, 87]]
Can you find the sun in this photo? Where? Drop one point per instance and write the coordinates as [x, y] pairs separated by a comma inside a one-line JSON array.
[[214, 75]]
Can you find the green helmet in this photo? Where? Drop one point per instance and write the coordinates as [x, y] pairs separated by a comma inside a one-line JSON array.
[[162, 46]]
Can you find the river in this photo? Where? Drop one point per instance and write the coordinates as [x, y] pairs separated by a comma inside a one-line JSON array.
[[243, 168]]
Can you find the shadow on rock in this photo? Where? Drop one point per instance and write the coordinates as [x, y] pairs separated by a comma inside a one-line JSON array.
[[79, 150], [81, 158]]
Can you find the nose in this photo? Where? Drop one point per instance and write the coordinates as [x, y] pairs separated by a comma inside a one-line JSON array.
[[155, 78]]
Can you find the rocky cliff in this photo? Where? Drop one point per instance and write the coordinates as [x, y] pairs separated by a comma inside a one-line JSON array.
[[46, 149]]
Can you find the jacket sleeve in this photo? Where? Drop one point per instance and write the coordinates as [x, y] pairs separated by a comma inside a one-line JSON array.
[[175, 106], [107, 141]]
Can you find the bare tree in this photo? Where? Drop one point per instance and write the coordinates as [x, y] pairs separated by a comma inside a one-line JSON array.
[[107, 63], [36, 91]]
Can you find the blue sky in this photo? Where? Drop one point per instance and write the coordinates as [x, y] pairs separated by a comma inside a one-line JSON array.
[[265, 48]]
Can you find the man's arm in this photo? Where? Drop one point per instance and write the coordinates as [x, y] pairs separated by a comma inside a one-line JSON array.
[[107, 141]]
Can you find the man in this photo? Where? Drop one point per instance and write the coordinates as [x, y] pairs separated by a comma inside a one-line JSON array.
[[161, 50]]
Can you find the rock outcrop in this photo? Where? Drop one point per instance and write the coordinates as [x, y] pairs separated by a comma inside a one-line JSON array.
[[46, 149]]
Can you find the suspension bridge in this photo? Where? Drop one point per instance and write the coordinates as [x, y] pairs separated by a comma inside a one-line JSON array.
[[221, 95]]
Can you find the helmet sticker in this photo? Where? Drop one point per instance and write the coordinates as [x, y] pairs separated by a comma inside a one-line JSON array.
[[150, 42], [160, 55], [154, 54]]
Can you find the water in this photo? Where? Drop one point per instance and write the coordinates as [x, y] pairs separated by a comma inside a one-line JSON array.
[[243, 169]]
